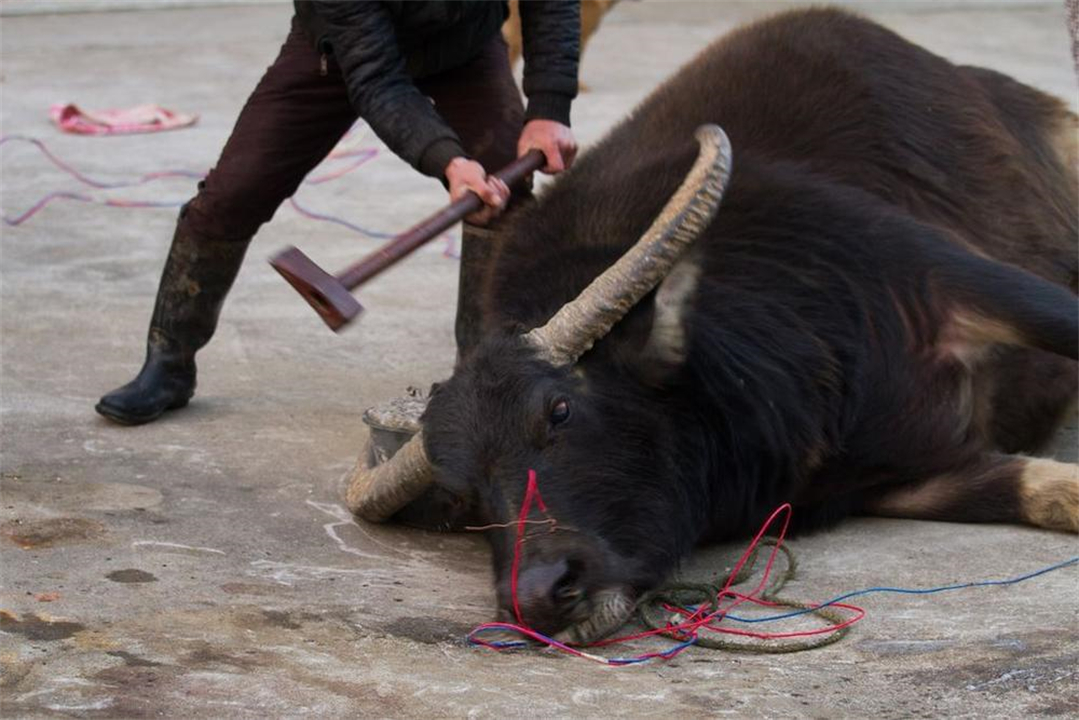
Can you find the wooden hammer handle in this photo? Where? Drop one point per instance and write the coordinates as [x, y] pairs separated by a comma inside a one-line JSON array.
[[426, 230]]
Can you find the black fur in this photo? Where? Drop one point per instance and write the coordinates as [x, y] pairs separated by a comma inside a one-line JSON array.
[[877, 191]]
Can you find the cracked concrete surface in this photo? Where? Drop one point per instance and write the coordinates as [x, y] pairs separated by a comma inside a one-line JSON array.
[[205, 566]]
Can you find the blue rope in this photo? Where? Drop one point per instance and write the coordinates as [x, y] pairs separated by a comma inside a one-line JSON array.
[[909, 591], [770, 618], [666, 654]]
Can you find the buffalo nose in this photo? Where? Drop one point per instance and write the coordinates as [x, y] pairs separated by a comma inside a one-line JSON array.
[[548, 591]]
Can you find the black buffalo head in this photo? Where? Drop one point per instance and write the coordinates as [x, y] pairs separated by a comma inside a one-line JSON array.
[[591, 445], [521, 403]]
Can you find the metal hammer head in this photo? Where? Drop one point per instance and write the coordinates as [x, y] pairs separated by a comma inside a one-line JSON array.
[[330, 299]]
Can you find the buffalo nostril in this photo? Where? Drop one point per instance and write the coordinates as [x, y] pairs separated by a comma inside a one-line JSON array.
[[566, 593], [567, 590], [548, 591]]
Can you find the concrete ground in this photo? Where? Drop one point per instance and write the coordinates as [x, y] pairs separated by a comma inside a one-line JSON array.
[[205, 566]]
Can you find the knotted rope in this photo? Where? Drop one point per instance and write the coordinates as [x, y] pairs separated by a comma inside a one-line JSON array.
[[691, 613]]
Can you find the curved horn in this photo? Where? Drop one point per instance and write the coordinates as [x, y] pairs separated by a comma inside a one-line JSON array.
[[573, 330], [376, 493]]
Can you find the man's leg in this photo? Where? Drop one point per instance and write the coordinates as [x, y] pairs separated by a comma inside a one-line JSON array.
[[290, 123], [481, 102]]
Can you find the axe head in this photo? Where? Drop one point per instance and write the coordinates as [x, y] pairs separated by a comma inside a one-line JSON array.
[[324, 292]]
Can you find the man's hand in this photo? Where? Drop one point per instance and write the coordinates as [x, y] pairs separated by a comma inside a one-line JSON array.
[[466, 176], [554, 139]]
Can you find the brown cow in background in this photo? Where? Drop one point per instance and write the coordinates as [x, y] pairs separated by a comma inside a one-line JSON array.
[[592, 11]]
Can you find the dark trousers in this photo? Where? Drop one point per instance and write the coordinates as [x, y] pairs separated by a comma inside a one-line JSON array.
[[296, 116]]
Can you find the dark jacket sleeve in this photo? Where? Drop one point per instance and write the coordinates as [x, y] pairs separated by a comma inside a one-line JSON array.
[[551, 34], [364, 44]]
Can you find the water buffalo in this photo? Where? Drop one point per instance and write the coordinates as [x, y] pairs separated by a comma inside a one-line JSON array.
[[878, 317]]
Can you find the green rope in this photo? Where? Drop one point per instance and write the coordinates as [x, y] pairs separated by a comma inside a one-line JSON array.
[[651, 613]]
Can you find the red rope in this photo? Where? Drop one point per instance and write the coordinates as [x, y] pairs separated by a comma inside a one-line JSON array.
[[687, 631], [531, 491]]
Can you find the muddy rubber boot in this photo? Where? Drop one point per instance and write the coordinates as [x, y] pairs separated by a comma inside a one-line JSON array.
[[196, 279], [477, 249]]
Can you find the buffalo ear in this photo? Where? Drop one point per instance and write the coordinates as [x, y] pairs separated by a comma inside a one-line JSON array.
[[668, 339], [449, 486]]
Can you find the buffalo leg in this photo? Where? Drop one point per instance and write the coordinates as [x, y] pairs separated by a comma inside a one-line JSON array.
[[997, 488], [1019, 334], [996, 303], [1027, 394]]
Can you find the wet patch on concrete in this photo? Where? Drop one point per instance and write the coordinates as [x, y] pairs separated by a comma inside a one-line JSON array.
[[240, 588], [1033, 663], [281, 619], [98, 640], [903, 647], [131, 575], [37, 534], [12, 671], [1065, 707], [428, 630], [263, 619], [1032, 675], [208, 655], [131, 660], [141, 687], [31, 487], [36, 628]]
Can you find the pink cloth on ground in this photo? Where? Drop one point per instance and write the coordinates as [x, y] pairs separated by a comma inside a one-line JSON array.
[[122, 121]]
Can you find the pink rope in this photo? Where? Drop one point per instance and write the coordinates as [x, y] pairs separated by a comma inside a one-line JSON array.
[[360, 157], [92, 182], [686, 631]]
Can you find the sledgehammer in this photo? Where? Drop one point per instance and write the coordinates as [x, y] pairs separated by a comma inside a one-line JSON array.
[[331, 295]]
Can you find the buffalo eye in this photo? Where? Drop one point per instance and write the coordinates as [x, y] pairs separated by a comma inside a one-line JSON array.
[[559, 412]]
